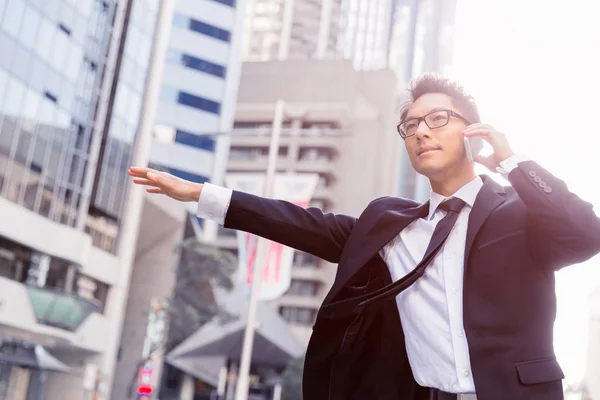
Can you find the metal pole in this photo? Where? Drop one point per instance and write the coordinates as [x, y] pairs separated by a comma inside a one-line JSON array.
[[277, 392], [241, 392]]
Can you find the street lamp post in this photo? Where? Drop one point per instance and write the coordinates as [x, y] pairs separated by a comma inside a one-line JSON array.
[[259, 262]]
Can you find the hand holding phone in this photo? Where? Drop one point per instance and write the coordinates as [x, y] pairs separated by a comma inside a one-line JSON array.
[[478, 134]]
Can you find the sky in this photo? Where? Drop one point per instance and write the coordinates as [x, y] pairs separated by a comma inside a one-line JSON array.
[[534, 68]]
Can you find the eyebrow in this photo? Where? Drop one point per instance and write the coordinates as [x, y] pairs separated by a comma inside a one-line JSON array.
[[430, 111]]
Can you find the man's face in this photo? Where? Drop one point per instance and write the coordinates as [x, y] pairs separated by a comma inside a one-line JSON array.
[[436, 152]]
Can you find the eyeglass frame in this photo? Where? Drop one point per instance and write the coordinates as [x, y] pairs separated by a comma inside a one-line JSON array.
[[451, 113]]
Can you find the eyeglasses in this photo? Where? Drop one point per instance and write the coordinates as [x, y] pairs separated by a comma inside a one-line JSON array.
[[435, 119]]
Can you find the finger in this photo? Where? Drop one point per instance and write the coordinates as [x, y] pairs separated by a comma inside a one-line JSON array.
[[479, 126], [138, 171], [475, 126], [145, 182], [483, 133], [155, 190]]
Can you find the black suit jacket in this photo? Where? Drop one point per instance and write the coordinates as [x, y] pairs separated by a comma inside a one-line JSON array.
[[517, 237]]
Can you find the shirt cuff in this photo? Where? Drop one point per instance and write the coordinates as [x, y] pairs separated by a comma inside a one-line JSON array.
[[213, 203], [511, 163]]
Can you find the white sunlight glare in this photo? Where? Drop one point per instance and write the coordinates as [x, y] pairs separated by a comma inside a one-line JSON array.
[[534, 69]]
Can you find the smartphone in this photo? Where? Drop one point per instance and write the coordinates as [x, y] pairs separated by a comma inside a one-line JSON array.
[[472, 147], [468, 149]]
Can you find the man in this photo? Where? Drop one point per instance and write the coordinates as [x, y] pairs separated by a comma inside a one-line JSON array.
[[451, 299]]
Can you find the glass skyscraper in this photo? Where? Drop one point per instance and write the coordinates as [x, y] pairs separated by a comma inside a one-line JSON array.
[[74, 78]]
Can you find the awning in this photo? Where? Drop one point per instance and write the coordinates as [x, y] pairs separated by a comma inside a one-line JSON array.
[[60, 309], [274, 342], [31, 356]]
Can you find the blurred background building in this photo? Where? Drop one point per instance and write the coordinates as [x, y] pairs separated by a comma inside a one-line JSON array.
[[199, 90], [334, 115], [76, 92], [421, 41], [89, 87], [309, 54], [190, 139], [357, 30]]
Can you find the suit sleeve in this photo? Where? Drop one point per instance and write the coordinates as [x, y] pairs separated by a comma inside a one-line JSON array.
[[562, 228], [309, 230]]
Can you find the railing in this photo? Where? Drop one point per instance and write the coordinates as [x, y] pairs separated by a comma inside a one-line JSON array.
[[103, 233]]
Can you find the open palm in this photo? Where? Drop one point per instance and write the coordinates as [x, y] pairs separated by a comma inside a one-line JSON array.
[[159, 182]]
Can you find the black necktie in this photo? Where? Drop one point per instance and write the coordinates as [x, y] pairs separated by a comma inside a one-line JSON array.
[[440, 234]]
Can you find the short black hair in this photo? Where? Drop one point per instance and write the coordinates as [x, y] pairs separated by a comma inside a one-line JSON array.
[[433, 83]]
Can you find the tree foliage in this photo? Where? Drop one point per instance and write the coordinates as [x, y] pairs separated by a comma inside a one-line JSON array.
[[291, 384], [202, 267]]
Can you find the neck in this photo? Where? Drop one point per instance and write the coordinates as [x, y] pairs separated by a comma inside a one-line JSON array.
[[449, 184]]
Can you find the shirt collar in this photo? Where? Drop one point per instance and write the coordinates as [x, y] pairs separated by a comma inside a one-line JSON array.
[[467, 193]]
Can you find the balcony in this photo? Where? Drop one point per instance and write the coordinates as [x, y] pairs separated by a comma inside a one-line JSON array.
[[51, 317]]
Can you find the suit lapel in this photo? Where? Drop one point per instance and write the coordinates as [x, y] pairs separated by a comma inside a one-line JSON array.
[[490, 197], [370, 237]]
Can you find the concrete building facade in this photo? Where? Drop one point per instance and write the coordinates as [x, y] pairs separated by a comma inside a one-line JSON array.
[[199, 89], [198, 93], [77, 87], [338, 123], [357, 30], [421, 41]]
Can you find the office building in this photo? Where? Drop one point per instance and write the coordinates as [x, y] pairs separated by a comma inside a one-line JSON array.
[[421, 41], [198, 93], [199, 90], [338, 123], [77, 91], [356, 30]]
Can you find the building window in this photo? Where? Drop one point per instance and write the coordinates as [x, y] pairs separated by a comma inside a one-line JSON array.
[[197, 64], [230, 3], [179, 173], [198, 102], [182, 21], [298, 315], [300, 287], [202, 65], [197, 141]]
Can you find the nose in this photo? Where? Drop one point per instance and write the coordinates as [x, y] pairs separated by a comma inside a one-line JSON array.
[[423, 131]]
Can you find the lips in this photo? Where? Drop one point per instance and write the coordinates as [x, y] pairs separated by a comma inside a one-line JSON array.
[[427, 149]]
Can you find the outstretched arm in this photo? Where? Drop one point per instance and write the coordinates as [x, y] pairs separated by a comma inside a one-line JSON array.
[[309, 230]]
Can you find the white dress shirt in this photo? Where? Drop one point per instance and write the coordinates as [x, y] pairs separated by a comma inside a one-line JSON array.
[[431, 310]]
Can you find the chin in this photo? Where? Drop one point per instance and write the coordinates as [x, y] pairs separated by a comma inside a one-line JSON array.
[[430, 170]]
